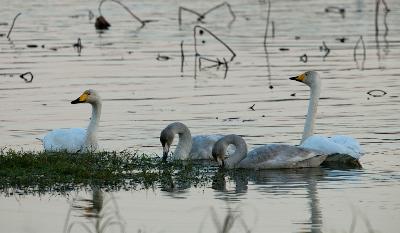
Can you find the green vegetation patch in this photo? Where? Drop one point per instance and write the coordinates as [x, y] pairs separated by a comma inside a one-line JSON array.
[[38, 172]]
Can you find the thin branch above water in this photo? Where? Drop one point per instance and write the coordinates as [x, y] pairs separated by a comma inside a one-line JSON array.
[[360, 41], [12, 25], [101, 22], [265, 46], [200, 17]]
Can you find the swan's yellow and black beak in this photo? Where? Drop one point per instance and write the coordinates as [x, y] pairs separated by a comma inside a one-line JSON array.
[[219, 160], [82, 99], [165, 152], [299, 78]]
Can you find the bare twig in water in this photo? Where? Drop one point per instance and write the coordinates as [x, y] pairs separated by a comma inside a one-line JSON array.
[[273, 28], [386, 6], [360, 40], [376, 93], [226, 68], [25, 79], [252, 107], [181, 8], [78, 46], [162, 58], [221, 5], [304, 58], [200, 17], [12, 25], [341, 39], [217, 64], [386, 12], [265, 46], [378, 53], [91, 15], [336, 9], [325, 48], [201, 31], [98, 25], [182, 56]]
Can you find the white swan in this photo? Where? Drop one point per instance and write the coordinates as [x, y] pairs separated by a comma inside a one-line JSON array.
[[270, 156], [77, 139], [338, 144], [197, 147]]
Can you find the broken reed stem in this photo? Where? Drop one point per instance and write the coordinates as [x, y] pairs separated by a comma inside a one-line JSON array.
[[265, 45], [360, 40], [200, 16], [12, 25], [125, 7], [215, 37], [182, 56]]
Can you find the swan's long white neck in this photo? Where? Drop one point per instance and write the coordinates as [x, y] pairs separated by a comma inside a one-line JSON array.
[[91, 137], [315, 88], [185, 141], [240, 151]]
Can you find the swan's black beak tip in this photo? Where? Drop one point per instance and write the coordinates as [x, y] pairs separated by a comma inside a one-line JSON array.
[[297, 78], [75, 101]]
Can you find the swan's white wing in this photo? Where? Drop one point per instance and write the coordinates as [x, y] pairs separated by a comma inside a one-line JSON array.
[[71, 140], [202, 146], [338, 144], [281, 156]]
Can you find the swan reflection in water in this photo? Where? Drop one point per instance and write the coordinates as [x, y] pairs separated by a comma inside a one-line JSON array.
[[98, 213], [282, 182]]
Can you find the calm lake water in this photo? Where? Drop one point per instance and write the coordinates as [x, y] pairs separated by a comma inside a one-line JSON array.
[[138, 73]]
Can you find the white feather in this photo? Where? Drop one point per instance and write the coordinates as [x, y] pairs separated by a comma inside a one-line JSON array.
[[70, 140], [338, 144]]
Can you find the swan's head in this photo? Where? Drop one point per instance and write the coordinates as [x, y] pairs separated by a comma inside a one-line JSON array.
[[309, 78], [166, 139], [89, 96], [219, 151]]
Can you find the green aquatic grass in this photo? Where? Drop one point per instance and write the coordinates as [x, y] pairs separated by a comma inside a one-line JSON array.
[[30, 172]]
